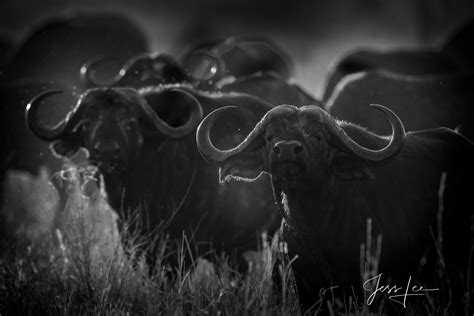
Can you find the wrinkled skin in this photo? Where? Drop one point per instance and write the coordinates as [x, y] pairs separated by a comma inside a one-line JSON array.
[[326, 194]]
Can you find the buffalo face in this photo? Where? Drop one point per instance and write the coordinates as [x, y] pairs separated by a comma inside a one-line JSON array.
[[111, 124], [295, 146], [299, 147], [110, 130]]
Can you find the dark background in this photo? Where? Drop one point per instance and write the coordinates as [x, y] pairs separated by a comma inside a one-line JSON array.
[[314, 33]]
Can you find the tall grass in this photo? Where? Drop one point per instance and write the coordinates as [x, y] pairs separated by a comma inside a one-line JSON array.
[[77, 263]]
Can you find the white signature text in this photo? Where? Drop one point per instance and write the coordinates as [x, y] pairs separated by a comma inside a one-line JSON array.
[[395, 293]]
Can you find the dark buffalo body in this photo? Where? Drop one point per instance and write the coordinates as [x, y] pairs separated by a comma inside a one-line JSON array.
[[144, 146], [459, 46], [271, 88], [6, 48], [50, 56], [329, 176], [162, 173], [455, 55], [156, 69], [234, 57], [140, 71], [421, 102], [251, 66], [56, 50], [407, 62]]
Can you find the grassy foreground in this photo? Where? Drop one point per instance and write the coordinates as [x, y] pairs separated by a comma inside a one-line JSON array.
[[62, 254]]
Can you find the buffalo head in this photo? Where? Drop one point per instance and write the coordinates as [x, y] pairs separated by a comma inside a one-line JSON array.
[[142, 70], [298, 146], [235, 57], [112, 124]]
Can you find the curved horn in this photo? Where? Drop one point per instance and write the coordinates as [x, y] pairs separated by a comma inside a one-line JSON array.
[[176, 132], [206, 147], [218, 69], [395, 144], [40, 130], [88, 78]]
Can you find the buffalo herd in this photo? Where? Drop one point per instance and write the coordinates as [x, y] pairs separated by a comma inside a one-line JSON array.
[[221, 144]]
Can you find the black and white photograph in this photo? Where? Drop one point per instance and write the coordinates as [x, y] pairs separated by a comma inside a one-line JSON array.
[[237, 157]]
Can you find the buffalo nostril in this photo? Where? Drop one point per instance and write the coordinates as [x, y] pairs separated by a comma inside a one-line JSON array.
[[297, 149], [111, 149], [288, 149]]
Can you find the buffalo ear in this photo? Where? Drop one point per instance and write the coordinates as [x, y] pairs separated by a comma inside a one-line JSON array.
[[65, 148], [348, 167], [246, 166]]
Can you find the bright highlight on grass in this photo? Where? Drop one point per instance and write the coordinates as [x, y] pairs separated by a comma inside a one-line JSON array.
[[68, 257]]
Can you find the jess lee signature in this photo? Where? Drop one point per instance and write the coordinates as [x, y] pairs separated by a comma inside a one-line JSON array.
[[395, 293]]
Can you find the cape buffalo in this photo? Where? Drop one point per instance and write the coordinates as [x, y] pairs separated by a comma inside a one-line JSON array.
[[56, 49], [329, 176], [234, 57], [421, 102], [408, 62], [150, 70], [271, 88], [453, 56], [254, 67], [50, 55], [140, 71], [143, 144]]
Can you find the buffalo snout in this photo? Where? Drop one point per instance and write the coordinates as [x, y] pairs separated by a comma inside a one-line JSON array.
[[107, 149], [287, 150]]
